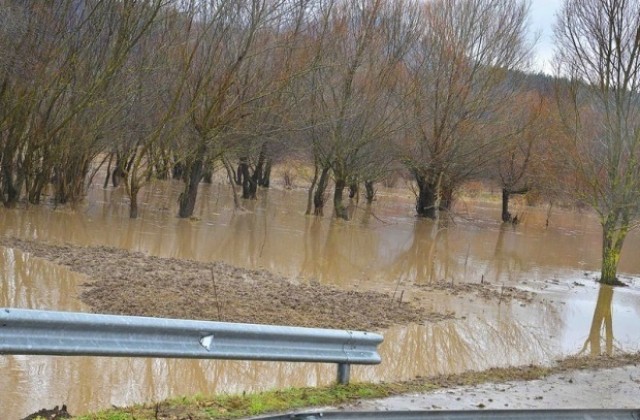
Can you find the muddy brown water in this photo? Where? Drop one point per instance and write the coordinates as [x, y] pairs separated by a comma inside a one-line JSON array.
[[383, 248]]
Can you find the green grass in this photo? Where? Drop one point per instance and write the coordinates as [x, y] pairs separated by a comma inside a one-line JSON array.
[[237, 406]]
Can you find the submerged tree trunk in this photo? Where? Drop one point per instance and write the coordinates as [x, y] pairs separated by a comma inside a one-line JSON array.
[[426, 200], [249, 187], [311, 189], [187, 199], [446, 199], [338, 204], [35, 193], [10, 193], [133, 205], [178, 170], [106, 179], [232, 182], [265, 180], [612, 240], [370, 192], [256, 178], [507, 217], [354, 190], [118, 171], [319, 196]]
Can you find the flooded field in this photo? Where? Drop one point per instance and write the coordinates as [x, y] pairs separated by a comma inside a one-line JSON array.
[[384, 248]]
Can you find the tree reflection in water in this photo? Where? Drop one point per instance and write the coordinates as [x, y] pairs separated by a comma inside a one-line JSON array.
[[601, 326]]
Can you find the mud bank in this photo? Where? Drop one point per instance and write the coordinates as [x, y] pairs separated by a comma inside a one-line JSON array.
[[132, 283]]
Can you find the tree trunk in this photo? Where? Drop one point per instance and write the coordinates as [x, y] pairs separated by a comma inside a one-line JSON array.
[[133, 205], [232, 182], [341, 210], [266, 175], [41, 181], [370, 192], [106, 179], [9, 190], [256, 179], [11, 194], [238, 173], [353, 190], [311, 188], [426, 200], [506, 216], [318, 198], [446, 198], [187, 198], [249, 187], [162, 165], [119, 171], [612, 241], [178, 170]]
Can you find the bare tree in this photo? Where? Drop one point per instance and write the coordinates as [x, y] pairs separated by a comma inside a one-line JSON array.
[[57, 71], [351, 96], [598, 48], [521, 131], [223, 81], [150, 93], [458, 69], [266, 134]]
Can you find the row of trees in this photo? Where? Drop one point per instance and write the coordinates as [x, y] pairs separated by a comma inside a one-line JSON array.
[[155, 88], [356, 89]]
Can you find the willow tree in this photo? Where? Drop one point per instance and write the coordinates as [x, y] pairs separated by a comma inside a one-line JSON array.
[[598, 48], [459, 68], [352, 94], [519, 155], [225, 54], [59, 61]]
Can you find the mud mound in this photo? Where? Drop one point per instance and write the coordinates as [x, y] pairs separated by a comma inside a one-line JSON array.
[[484, 290], [132, 283]]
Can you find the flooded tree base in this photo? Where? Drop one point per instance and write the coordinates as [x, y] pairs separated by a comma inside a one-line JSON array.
[[132, 283], [615, 282], [54, 413]]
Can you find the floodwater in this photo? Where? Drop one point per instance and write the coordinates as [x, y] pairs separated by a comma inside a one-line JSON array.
[[383, 248]]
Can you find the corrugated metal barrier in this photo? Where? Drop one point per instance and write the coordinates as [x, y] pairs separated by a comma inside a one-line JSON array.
[[35, 332]]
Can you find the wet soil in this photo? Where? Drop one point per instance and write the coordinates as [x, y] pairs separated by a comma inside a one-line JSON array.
[[132, 283]]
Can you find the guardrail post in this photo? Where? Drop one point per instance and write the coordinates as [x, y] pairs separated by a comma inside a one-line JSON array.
[[344, 371]]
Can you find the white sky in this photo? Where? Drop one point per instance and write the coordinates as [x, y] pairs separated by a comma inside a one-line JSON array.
[[543, 14]]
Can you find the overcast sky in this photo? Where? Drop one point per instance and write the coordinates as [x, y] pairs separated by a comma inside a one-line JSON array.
[[542, 18]]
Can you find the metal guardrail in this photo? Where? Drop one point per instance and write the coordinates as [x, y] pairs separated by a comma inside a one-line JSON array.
[[35, 332], [586, 414]]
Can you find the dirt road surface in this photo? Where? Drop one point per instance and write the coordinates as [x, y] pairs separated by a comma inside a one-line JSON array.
[[606, 388]]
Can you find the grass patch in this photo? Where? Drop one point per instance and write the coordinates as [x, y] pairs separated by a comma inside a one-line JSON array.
[[237, 406], [201, 407]]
